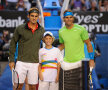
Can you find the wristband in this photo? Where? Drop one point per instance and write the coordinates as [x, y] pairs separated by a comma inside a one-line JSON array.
[[91, 55]]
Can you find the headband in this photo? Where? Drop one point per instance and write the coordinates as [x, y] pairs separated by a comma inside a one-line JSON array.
[[33, 11], [68, 13]]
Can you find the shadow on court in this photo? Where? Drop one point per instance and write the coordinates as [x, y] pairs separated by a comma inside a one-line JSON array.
[[6, 79]]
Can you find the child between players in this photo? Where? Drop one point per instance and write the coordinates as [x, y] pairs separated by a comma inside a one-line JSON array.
[[49, 67]]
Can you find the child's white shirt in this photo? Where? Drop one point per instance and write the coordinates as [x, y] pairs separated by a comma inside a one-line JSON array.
[[49, 59]]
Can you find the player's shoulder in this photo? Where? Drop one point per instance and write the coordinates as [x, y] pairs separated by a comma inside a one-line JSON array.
[[79, 26], [62, 29], [21, 27]]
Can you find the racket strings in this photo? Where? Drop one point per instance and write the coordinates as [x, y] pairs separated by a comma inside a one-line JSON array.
[[15, 79]]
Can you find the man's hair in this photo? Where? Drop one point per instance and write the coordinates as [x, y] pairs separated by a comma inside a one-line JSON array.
[[68, 10], [33, 10]]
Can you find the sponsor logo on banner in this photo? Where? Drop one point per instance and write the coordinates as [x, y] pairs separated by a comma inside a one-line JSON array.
[[11, 22], [93, 21], [90, 20]]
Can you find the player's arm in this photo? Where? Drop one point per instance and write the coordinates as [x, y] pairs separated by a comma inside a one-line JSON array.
[[61, 41], [60, 60], [40, 72], [61, 46], [12, 49], [40, 66], [90, 51], [58, 71], [11, 65]]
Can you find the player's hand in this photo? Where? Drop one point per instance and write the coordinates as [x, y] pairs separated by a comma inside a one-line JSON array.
[[57, 79], [41, 76], [11, 65], [91, 63]]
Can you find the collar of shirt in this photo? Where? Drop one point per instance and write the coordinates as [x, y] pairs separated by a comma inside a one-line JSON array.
[[33, 30]]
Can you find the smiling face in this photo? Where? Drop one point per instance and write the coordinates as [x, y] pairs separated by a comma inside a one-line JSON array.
[[33, 17], [68, 20], [48, 40]]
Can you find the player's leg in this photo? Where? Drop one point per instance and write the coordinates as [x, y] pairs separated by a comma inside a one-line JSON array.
[[53, 86], [26, 84], [43, 85], [20, 86], [32, 75], [32, 87], [21, 70]]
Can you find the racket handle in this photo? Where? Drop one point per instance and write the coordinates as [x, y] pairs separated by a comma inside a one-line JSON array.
[[91, 68]]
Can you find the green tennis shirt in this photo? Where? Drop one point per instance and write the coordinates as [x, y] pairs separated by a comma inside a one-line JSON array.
[[73, 40]]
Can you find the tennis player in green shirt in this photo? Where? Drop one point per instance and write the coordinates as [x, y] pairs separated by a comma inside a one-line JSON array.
[[72, 37]]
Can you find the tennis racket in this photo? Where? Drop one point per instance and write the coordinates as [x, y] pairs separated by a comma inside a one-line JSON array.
[[90, 81], [15, 79]]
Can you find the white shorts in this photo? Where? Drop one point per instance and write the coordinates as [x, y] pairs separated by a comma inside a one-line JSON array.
[[68, 66], [29, 70], [48, 85]]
